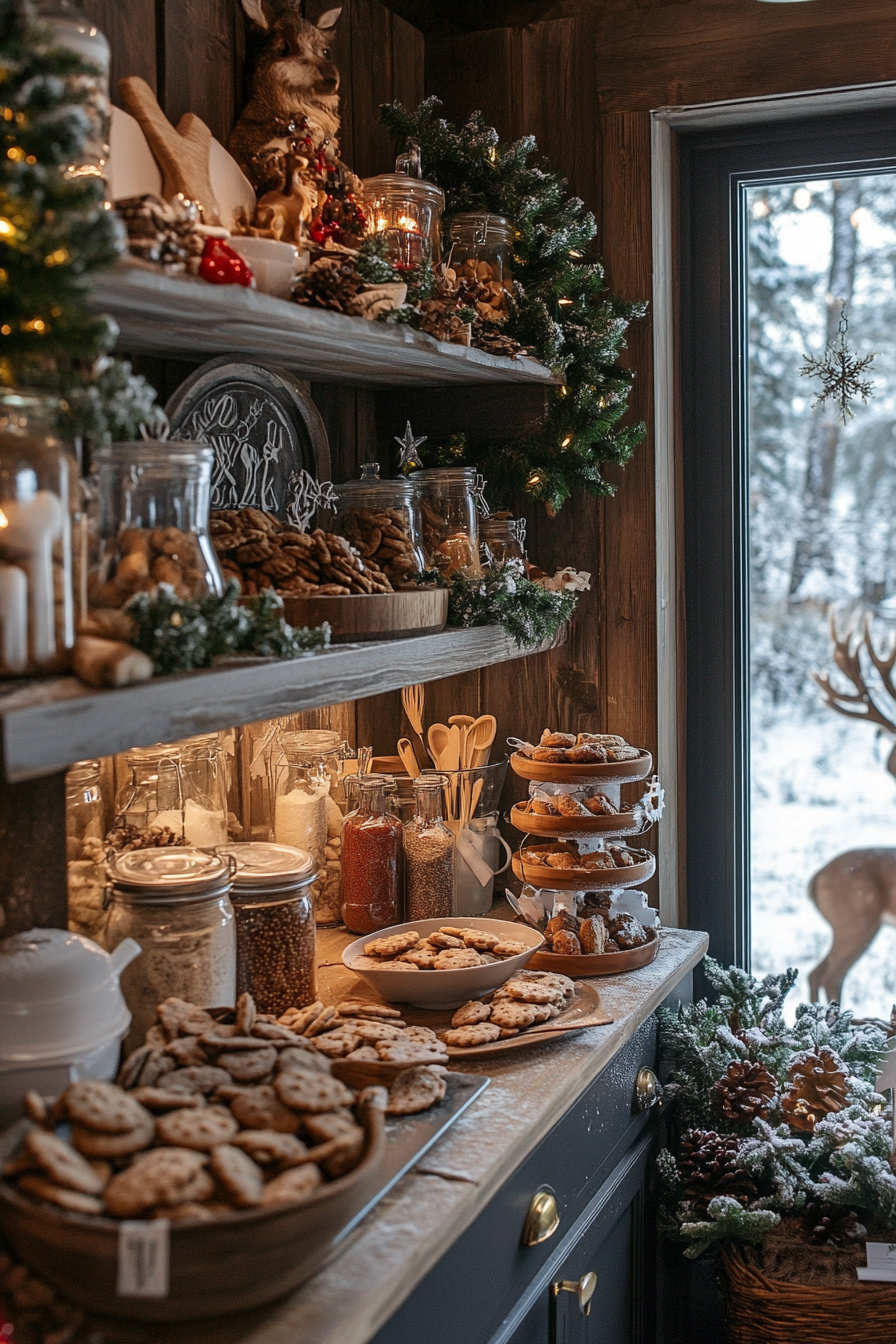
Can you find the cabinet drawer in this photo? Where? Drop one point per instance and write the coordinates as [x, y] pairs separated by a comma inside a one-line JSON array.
[[479, 1280]]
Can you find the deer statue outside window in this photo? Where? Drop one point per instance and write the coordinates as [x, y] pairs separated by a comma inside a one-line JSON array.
[[856, 891]]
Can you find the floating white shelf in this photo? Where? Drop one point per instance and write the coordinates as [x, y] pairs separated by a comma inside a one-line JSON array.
[[190, 319], [48, 724]]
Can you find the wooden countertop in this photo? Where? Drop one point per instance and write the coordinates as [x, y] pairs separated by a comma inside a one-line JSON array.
[[403, 1238]]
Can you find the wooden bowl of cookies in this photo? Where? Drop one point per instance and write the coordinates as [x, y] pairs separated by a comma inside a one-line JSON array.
[[605, 820], [560, 867], [230, 1263], [564, 758], [597, 942], [441, 981], [599, 963]]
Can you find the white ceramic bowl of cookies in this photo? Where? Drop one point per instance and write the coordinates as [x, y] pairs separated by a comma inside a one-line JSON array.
[[440, 988]]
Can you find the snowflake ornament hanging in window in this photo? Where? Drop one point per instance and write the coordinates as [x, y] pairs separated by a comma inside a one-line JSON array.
[[840, 371]]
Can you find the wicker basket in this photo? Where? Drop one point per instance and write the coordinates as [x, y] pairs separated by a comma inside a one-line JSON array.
[[772, 1311]]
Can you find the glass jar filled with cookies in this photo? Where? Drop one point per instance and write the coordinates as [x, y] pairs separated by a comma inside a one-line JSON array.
[[448, 518], [381, 520], [480, 250], [152, 524]]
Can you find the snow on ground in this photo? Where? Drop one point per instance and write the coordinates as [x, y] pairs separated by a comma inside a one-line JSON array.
[[819, 788]]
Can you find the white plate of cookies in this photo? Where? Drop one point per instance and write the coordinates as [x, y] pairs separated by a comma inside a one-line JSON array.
[[441, 963]]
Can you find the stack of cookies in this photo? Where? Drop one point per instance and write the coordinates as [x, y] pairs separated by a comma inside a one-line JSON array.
[[450, 948], [208, 1118], [258, 551], [566, 857], [582, 748], [595, 933], [527, 999], [364, 1031]]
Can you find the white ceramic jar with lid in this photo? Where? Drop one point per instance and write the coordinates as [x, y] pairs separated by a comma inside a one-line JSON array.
[[62, 1011], [175, 902]]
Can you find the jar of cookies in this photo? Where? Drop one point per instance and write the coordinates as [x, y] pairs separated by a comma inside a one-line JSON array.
[[275, 929], [153, 522], [39, 501], [500, 535], [175, 903], [175, 794], [428, 854], [381, 520], [448, 519], [480, 247], [372, 851]]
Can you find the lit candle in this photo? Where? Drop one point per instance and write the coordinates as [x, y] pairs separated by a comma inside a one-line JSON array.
[[13, 619], [28, 528]]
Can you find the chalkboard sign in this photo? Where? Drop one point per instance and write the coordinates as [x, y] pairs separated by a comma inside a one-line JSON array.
[[263, 426]]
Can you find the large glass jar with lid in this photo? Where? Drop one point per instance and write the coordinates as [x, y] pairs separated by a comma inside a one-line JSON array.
[[448, 519], [178, 790], [175, 903], [153, 502], [305, 816], [275, 929], [479, 250], [84, 848], [381, 519], [39, 499], [407, 213], [372, 862]]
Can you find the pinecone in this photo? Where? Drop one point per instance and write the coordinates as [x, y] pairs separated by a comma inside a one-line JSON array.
[[161, 232], [746, 1091], [331, 282], [707, 1163], [488, 336], [831, 1224], [818, 1089]]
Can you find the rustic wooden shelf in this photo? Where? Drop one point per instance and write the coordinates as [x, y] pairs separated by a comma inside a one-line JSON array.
[[48, 724], [187, 318]]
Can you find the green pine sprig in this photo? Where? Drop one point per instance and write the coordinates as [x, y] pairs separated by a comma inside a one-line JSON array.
[[560, 307]]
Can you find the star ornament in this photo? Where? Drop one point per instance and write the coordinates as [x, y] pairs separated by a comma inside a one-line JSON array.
[[840, 371], [409, 459]]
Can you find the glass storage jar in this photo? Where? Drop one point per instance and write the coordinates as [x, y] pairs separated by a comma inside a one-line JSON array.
[[176, 904], [84, 849], [305, 815], [177, 790], [381, 519], [407, 212], [500, 533], [428, 854], [371, 862], [480, 246], [39, 498], [75, 32], [153, 522], [275, 930], [449, 521]]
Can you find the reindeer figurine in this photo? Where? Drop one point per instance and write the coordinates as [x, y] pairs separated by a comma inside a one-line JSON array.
[[856, 891]]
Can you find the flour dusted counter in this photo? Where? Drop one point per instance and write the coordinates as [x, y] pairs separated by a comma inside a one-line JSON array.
[[441, 1259]]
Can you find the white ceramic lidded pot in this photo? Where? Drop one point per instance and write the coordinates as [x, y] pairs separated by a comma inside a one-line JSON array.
[[62, 1013]]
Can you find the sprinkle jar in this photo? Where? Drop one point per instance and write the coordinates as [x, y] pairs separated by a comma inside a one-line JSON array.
[[371, 862]]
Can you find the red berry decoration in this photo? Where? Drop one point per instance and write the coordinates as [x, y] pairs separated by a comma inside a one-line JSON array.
[[221, 265]]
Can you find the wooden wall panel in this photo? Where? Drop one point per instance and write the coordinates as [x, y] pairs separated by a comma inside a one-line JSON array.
[[203, 60], [131, 30]]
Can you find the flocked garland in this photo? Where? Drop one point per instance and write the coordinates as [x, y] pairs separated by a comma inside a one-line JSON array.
[[561, 309], [779, 1122], [530, 613]]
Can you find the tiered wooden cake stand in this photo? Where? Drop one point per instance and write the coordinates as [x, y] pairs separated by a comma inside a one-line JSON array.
[[606, 778]]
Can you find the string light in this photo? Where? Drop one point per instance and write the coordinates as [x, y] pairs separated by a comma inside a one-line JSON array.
[[574, 252], [564, 301], [567, 441], [535, 478], [6, 329], [36, 324], [7, 228], [57, 258], [16, 153]]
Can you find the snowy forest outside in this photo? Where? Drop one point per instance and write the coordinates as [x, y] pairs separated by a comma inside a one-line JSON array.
[[822, 534]]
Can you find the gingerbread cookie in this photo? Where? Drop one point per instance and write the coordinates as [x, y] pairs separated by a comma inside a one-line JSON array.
[[477, 1034], [269, 1148], [261, 1108], [303, 1090], [61, 1195], [393, 945], [416, 1090], [457, 959], [237, 1175], [162, 1176], [202, 1129], [512, 1015], [102, 1106], [93, 1144], [471, 1013], [61, 1163], [292, 1186]]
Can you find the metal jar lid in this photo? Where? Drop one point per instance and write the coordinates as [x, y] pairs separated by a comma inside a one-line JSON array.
[[175, 873], [260, 868]]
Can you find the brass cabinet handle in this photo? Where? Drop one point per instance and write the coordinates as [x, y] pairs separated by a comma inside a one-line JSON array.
[[542, 1219], [648, 1090], [583, 1289]]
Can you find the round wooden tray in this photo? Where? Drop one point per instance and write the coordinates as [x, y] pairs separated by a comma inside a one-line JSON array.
[[581, 879], [241, 1260], [603, 963], [368, 616], [558, 772], [621, 823]]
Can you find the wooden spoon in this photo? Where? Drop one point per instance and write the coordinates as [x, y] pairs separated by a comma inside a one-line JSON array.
[[480, 738], [438, 738], [408, 759], [464, 722]]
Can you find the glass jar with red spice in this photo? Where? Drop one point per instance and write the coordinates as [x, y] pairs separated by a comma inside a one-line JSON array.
[[372, 852]]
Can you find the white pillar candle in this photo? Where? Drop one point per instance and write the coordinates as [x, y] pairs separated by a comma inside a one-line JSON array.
[[32, 525], [13, 619]]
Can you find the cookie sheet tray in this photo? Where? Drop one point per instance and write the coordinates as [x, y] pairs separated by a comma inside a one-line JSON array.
[[408, 1137]]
